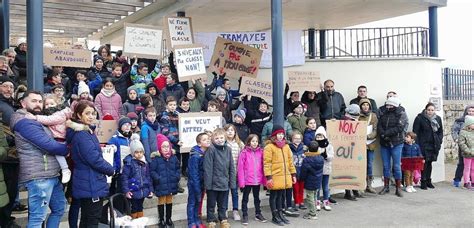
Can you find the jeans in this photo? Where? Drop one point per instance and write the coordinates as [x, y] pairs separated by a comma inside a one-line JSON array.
[[256, 199], [389, 154], [370, 162], [459, 168], [73, 216], [309, 201], [194, 200], [44, 193], [235, 199], [276, 200], [221, 198], [90, 212], [325, 187]]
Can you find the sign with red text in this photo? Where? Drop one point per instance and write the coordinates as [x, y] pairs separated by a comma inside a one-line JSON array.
[[304, 80], [191, 124], [179, 31], [349, 167], [189, 62], [257, 88], [67, 57], [235, 59], [143, 41]]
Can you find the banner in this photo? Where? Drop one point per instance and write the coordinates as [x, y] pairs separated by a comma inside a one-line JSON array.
[[67, 57], [235, 59], [106, 129], [143, 41], [293, 51], [191, 124], [189, 62], [179, 31], [349, 167], [304, 81], [257, 88]]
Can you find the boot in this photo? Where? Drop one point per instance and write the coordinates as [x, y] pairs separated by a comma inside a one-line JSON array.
[[349, 196], [169, 223], [429, 184], [282, 217], [369, 188], [423, 185], [276, 219], [357, 194], [161, 215], [386, 188], [398, 191]]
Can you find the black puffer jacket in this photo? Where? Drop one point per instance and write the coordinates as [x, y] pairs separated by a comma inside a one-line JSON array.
[[391, 126], [312, 107], [429, 140]]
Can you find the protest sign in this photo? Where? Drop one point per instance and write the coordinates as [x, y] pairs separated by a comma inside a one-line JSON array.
[[179, 31], [304, 80], [105, 129], [67, 57], [108, 152], [189, 62], [349, 166], [257, 88], [236, 59], [143, 41], [191, 124]]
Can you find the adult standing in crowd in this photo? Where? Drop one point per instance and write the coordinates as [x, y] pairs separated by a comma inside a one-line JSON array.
[[455, 130], [362, 94], [104, 52], [331, 103], [405, 116], [428, 128], [390, 128], [97, 70], [309, 99], [294, 97], [366, 114], [39, 169], [7, 89], [19, 65], [89, 183]]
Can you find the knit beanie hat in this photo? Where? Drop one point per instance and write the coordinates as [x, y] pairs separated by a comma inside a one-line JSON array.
[[353, 110], [82, 88], [160, 139], [135, 144], [363, 101], [98, 57], [295, 105], [123, 120], [468, 120], [321, 131], [21, 40], [132, 116], [241, 113], [133, 87], [220, 91], [394, 101], [277, 129]]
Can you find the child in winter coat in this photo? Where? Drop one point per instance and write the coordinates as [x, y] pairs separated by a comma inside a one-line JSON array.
[[150, 128], [160, 80], [136, 180], [121, 141], [297, 118], [196, 96], [251, 177], [173, 88], [169, 122], [311, 174], [225, 107], [165, 175], [134, 122], [133, 103], [298, 149], [279, 171], [140, 76], [196, 179], [466, 144], [327, 152], [410, 150], [310, 131], [236, 145], [183, 105], [158, 103], [84, 94], [219, 177], [239, 123], [108, 101], [120, 79]]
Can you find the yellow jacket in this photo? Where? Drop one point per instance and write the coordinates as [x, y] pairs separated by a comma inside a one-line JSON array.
[[278, 165]]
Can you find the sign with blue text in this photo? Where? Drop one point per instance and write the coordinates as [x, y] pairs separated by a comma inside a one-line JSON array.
[[189, 62], [191, 124], [67, 57]]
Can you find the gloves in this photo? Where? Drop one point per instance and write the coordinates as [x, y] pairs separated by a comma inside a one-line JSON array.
[[269, 184]]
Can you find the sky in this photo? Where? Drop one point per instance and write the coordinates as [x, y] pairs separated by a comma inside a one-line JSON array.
[[455, 31]]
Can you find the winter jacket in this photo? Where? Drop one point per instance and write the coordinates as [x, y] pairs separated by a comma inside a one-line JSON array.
[[6, 109], [404, 117], [165, 174], [466, 141], [148, 138], [309, 135], [267, 131], [458, 123], [20, 58], [256, 119], [230, 94], [121, 84], [371, 120], [169, 126], [56, 122], [250, 167], [412, 150], [136, 178], [36, 148], [312, 171], [160, 81], [175, 90], [242, 131], [108, 105], [141, 81], [235, 148], [298, 123], [122, 144], [331, 105], [429, 141], [90, 168], [219, 174], [195, 104], [391, 126], [312, 107], [278, 166], [196, 170], [158, 103], [130, 107], [4, 199], [226, 109], [298, 156], [373, 104], [327, 170], [95, 78]]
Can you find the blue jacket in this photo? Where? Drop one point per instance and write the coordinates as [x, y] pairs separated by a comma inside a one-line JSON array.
[[309, 135], [298, 156], [90, 168], [120, 142], [175, 90], [409, 151], [312, 171], [165, 175], [148, 138], [169, 124], [136, 178], [196, 170]]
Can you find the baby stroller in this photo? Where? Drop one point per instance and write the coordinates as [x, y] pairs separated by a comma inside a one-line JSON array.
[[118, 206]]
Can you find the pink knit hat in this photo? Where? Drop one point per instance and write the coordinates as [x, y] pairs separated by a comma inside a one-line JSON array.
[[160, 139]]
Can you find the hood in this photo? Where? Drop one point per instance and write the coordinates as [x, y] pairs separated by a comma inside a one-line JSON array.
[[70, 133], [196, 150], [468, 121], [322, 131], [312, 154], [365, 100], [461, 119], [152, 85], [305, 99]]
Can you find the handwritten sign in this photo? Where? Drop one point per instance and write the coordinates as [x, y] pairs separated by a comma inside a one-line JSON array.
[[142, 40], [108, 152], [179, 30], [67, 57], [191, 124], [190, 62], [236, 59], [106, 129], [257, 88], [349, 166], [303, 80]]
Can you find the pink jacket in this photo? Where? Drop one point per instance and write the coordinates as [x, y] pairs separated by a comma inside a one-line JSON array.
[[56, 122], [250, 167], [109, 105]]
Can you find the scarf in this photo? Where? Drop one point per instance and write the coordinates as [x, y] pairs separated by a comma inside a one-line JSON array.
[[107, 92], [323, 143], [152, 125], [280, 144], [136, 101], [433, 122]]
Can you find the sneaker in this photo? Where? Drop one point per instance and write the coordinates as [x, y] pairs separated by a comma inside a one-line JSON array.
[[245, 220], [408, 189], [66, 175], [260, 218], [311, 217], [331, 200], [456, 183], [326, 206], [302, 207], [291, 213], [236, 215], [292, 209], [413, 189], [318, 205], [468, 186]]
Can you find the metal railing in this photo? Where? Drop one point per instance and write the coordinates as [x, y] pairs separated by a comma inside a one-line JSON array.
[[458, 84], [370, 42]]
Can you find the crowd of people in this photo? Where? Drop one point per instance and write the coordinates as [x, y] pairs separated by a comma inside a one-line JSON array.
[[48, 144]]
